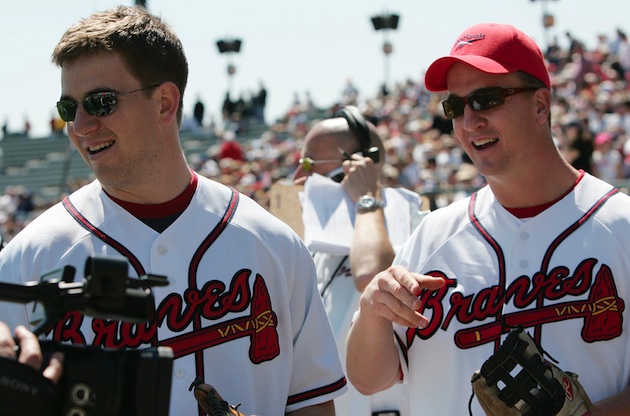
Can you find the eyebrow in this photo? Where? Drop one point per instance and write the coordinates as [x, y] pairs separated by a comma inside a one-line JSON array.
[[466, 95], [92, 91], [478, 90]]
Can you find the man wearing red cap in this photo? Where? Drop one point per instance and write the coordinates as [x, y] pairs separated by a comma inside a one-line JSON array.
[[544, 246]]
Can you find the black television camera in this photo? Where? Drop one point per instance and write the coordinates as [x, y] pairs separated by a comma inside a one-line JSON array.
[[96, 381]]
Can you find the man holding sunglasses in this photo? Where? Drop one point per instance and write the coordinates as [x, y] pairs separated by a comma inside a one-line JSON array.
[[540, 241], [242, 311], [332, 149]]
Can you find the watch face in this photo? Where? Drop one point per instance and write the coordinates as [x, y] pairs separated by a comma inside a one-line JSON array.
[[366, 201]]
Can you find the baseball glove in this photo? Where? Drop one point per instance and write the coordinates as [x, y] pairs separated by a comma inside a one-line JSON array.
[[211, 401], [518, 381]]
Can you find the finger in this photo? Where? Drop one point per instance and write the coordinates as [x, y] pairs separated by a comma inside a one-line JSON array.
[[389, 298], [408, 292], [429, 282], [30, 352], [55, 367], [393, 309], [415, 282], [360, 162], [7, 344], [360, 158], [406, 279]]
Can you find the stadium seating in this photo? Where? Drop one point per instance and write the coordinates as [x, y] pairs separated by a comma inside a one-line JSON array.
[[48, 166]]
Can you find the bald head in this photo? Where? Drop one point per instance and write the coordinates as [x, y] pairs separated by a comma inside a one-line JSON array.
[[335, 132], [325, 142]]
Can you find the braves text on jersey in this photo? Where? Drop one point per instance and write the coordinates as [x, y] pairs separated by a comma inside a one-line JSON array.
[[562, 275]]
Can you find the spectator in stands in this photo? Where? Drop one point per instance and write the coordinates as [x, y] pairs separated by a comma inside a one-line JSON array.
[[308, 105], [625, 168], [607, 161], [259, 102], [350, 93], [56, 126], [25, 204], [228, 108], [554, 53], [27, 128], [230, 148], [578, 146], [198, 112], [623, 52], [9, 224]]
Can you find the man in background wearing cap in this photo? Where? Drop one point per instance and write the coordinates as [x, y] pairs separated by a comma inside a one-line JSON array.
[[540, 234]]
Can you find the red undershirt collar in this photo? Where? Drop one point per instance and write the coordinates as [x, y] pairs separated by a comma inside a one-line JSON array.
[[163, 210], [530, 212]]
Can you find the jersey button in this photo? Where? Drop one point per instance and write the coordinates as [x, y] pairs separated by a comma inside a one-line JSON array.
[[524, 236], [523, 263], [162, 250], [179, 373]]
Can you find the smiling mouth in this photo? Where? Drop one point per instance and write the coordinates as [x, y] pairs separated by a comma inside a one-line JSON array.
[[100, 147], [480, 144]]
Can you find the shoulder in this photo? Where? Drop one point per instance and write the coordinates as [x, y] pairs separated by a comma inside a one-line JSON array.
[[609, 205], [244, 212], [435, 229], [456, 212], [56, 227], [594, 193]]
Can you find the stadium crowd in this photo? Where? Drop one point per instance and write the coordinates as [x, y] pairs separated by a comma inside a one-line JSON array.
[[590, 121]]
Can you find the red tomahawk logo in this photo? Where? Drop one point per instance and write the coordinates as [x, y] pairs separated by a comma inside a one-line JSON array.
[[260, 325], [602, 312]]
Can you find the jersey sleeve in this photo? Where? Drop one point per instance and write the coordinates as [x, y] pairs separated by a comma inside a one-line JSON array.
[[317, 373]]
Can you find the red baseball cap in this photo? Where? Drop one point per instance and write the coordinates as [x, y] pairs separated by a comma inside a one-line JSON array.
[[493, 48]]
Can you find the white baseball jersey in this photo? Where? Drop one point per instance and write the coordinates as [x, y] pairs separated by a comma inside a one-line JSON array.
[[242, 310], [562, 275], [341, 300]]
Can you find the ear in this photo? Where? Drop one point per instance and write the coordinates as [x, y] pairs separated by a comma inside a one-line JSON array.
[[169, 102], [543, 105]]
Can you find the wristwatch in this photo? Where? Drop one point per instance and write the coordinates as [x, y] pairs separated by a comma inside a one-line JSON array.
[[369, 203]]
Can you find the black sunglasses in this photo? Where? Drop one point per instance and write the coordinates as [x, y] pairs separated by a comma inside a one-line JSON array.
[[479, 100], [97, 104]]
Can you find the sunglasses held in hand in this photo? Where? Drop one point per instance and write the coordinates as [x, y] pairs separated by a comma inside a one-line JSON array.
[[479, 100], [97, 104]]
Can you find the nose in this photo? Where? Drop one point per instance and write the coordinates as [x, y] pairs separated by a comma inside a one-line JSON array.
[[471, 120], [83, 123]]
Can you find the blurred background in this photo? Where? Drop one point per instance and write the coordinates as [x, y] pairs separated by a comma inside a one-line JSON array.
[[261, 73], [293, 48]]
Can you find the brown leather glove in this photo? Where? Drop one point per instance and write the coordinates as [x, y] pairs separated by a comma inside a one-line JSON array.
[[211, 401], [539, 388]]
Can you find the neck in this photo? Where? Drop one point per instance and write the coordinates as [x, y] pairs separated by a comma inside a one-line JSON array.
[[153, 189], [534, 187]]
